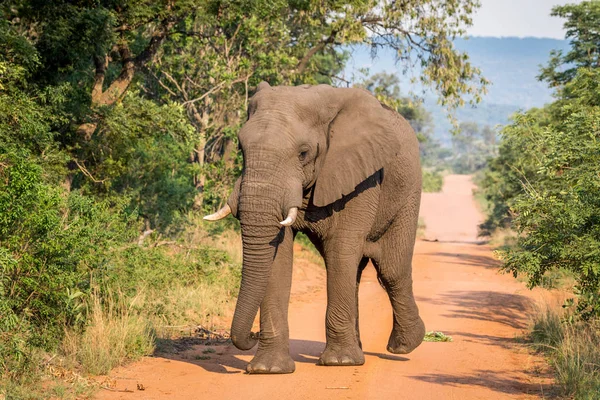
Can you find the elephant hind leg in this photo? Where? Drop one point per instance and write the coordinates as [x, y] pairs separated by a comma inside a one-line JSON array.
[[394, 271]]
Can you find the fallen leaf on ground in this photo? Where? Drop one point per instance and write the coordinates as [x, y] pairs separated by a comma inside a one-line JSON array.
[[436, 337]]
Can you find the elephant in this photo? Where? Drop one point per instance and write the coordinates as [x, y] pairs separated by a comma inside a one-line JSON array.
[[341, 167]]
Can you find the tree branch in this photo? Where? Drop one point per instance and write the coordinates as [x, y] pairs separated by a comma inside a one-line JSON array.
[[160, 82], [301, 67], [87, 173], [215, 88], [119, 86], [158, 37], [101, 64]]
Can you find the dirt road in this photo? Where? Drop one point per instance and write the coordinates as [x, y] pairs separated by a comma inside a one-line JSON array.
[[459, 292]]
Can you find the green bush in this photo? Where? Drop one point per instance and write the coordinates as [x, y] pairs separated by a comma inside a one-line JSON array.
[[141, 153], [67, 259], [432, 181], [50, 244], [507, 174], [545, 182], [557, 213]]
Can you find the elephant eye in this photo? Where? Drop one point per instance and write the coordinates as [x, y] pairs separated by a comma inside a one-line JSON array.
[[302, 155]]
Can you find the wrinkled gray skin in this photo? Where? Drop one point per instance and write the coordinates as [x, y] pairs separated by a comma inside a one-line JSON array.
[[352, 167]]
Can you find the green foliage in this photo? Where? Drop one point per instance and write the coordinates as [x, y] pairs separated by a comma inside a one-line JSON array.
[[432, 181], [558, 213], [135, 268], [472, 146], [582, 30], [142, 152], [557, 278], [434, 336], [506, 174], [545, 181], [50, 242], [118, 122]]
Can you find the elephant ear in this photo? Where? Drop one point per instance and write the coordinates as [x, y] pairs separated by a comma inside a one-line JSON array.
[[361, 137]]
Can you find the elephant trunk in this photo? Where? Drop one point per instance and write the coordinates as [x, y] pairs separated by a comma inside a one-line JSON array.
[[259, 247], [261, 208]]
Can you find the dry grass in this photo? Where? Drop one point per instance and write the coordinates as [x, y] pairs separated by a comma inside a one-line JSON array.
[[229, 241], [115, 334], [122, 328], [421, 227], [502, 238], [573, 350], [183, 308]]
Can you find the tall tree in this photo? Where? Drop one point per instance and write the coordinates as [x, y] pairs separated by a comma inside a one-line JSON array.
[[472, 146], [213, 64], [545, 181], [209, 55], [584, 34], [98, 46]]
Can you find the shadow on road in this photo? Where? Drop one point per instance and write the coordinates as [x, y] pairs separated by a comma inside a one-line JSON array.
[[475, 242], [224, 358], [509, 343], [503, 381], [468, 260], [504, 308]]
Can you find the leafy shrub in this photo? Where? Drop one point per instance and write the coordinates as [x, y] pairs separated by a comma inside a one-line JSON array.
[[513, 168], [557, 214], [432, 181], [142, 153], [48, 240], [545, 181], [50, 243]]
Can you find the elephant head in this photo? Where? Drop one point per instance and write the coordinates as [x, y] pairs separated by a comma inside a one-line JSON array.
[[315, 141]]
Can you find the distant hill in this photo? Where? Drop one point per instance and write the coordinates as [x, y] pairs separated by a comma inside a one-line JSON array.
[[511, 64]]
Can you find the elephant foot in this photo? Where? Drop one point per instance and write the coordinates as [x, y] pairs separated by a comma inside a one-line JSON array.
[[271, 363], [406, 340], [350, 355]]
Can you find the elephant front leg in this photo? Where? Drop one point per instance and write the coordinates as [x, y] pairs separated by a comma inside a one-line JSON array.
[[273, 354], [341, 321]]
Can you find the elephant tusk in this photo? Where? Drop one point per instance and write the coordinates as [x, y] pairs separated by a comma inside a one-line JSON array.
[[291, 217], [222, 213]]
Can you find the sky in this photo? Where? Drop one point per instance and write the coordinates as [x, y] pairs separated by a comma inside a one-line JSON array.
[[521, 18]]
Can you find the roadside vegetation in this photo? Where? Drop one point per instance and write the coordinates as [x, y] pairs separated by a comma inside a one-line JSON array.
[[571, 346], [118, 125], [544, 184]]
